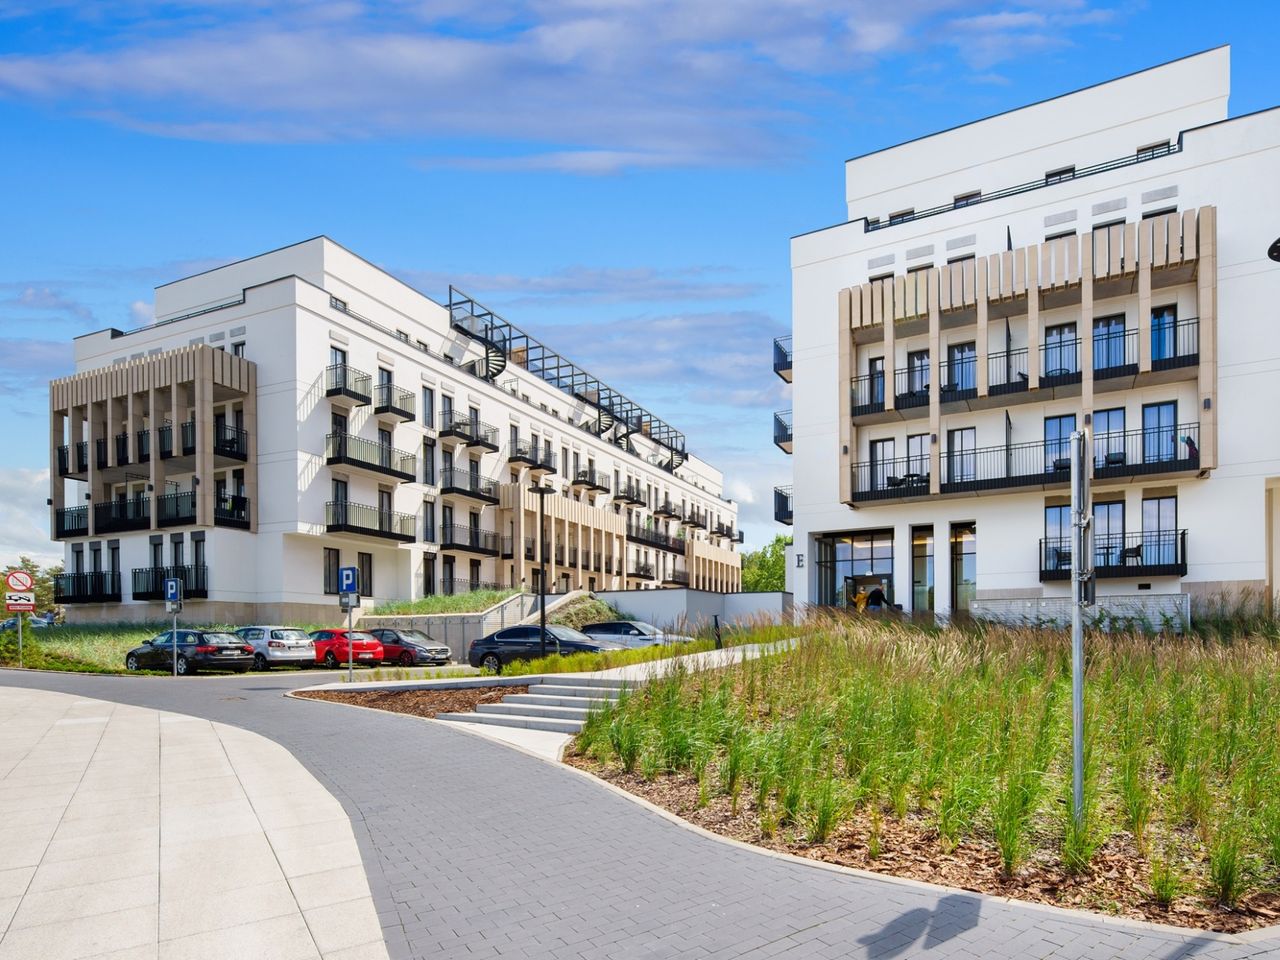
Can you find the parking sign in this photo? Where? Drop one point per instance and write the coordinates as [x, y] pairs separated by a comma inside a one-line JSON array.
[[172, 589], [347, 579]]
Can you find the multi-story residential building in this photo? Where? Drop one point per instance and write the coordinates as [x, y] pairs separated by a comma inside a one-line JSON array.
[[302, 410], [1094, 262]]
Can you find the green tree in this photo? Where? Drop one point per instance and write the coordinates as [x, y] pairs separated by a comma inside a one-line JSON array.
[[766, 568], [43, 579]]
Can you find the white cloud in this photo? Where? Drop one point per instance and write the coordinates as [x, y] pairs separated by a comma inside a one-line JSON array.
[[141, 313], [24, 516]]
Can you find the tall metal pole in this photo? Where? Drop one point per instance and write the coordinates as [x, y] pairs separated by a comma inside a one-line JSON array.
[[19, 639], [351, 673], [174, 638], [1079, 545], [542, 565]]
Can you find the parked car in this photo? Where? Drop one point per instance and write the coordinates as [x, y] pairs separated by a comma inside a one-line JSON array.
[[409, 648], [331, 647], [632, 633], [278, 646], [524, 643], [35, 622], [197, 650]]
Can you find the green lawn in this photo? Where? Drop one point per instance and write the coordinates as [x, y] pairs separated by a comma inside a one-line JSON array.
[[91, 649], [472, 602], [887, 743]]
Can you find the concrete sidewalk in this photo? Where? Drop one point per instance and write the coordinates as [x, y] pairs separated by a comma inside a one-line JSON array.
[[133, 833]]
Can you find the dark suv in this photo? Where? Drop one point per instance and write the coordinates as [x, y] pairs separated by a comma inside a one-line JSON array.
[[410, 648], [524, 643], [197, 650]]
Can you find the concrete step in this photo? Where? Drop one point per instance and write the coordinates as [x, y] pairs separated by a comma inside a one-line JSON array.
[[514, 720], [564, 680], [589, 693], [583, 703], [534, 710]]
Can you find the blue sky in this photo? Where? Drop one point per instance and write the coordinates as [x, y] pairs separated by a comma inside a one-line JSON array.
[[620, 178]]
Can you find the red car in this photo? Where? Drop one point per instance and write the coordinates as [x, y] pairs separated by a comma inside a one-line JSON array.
[[331, 647]]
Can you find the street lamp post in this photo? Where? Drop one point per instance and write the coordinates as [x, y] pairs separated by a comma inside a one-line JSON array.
[[542, 492]]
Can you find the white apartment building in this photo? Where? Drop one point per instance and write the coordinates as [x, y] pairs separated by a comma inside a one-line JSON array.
[[1097, 261], [303, 410]]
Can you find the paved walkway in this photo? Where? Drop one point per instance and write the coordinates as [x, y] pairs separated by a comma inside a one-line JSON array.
[[131, 833], [475, 850]]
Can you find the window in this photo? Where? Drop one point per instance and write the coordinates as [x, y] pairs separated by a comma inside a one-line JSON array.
[[1060, 235], [577, 462], [882, 465], [875, 379], [157, 553], [1059, 175], [113, 557], [428, 575], [1153, 150], [337, 356], [880, 276], [176, 547], [237, 349], [428, 407], [384, 376], [1108, 437], [446, 409], [1057, 537], [1109, 343], [448, 580], [1057, 442], [850, 562], [1159, 530], [515, 438], [403, 335], [364, 573], [1108, 534], [428, 521], [1061, 356], [1164, 327], [1162, 212], [918, 454], [331, 564], [428, 460], [918, 372], [963, 258], [902, 216], [1159, 432], [918, 267], [962, 368], [964, 566], [198, 547], [966, 199], [921, 569], [962, 457]]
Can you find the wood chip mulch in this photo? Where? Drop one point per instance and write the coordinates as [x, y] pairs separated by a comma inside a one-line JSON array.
[[419, 703], [1116, 884]]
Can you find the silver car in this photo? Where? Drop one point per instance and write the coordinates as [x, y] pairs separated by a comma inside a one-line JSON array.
[[275, 646], [632, 633]]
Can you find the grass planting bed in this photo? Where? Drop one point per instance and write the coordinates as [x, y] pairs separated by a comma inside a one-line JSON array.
[[418, 703], [471, 602], [945, 756]]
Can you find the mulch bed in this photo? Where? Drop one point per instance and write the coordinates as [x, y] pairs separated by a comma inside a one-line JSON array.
[[1116, 885], [418, 703]]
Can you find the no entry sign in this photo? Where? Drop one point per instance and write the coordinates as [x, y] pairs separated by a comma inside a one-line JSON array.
[[19, 581]]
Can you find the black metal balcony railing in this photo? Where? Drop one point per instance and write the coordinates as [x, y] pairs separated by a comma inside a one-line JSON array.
[[232, 511], [608, 563], [529, 548], [696, 519], [100, 587], [642, 571], [148, 582], [783, 511], [958, 378], [558, 553], [1115, 354], [994, 468], [122, 449], [471, 432], [71, 522], [1007, 372], [467, 484], [144, 446], [393, 400], [459, 585], [782, 427], [230, 441], [100, 453], [118, 515], [911, 387], [343, 516], [677, 577], [1161, 553], [459, 536], [64, 461], [593, 479], [175, 509], [890, 479], [655, 538], [667, 510], [344, 380], [188, 438], [1060, 362], [1175, 343], [866, 396], [537, 457], [629, 492], [164, 441], [358, 452], [1132, 453], [782, 357]]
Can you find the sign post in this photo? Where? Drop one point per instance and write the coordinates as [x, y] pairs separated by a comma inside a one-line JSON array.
[[1081, 596], [173, 604], [19, 598], [348, 600]]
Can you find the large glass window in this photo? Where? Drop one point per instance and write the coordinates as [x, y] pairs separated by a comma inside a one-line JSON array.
[[331, 564], [428, 575], [962, 462], [851, 562], [1060, 354], [918, 454], [964, 566], [921, 569], [1108, 437], [875, 371], [1108, 534], [881, 463], [428, 407], [1108, 342], [1159, 530], [1164, 326], [1159, 432], [1057, 442], [1057, 537], [918, 371], [962, 367], [364, 568]]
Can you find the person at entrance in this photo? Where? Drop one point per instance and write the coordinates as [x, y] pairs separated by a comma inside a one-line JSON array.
[[876, 599], [860, 600]]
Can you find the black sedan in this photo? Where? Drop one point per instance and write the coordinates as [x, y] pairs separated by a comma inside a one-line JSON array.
[[197, 650], [410, 648], [524, 643]]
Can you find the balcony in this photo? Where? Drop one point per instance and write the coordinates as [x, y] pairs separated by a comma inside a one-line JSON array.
[[144, 446], [591, 480], [230, 441], [655, 538], [782, 358], [117, 516], [666, 510], [1060, 363], [122, 449], [231, 511], [696, 519], [148, 582], [100, 453], [539, 460], [65, 468], [464, 483], [1036, 464], [911, 388], [1007, 372], [472, 433], [1134, 453], [370, 457], [630, 493], [782, 430], [1116, 556], [676, 578], [100, 587], [458, 536], [641, 571], [958, 379], [70, 522], [392, 401], [176, 509], [342, 516], [897, 479], [346, 385], [1115, 354], [1175, 343], [866, 397], [782, 507]]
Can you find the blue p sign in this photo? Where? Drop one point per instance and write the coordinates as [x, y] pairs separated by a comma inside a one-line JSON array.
[[172, 589], [347, 579]]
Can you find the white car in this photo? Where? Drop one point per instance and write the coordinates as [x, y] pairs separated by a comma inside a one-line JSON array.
[[275, 646], [632, 633]]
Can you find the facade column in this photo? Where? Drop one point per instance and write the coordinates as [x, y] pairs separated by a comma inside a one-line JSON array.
[[250, 408], [1207, 307], [57, 486], [1033, 318], [980, 349], [203, 417], [1144, 296], [113, 413], [1084, 332], [935, 388], [155, 466], [95, 414]]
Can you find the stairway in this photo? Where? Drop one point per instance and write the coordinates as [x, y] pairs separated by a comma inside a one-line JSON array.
[[557, 704]]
